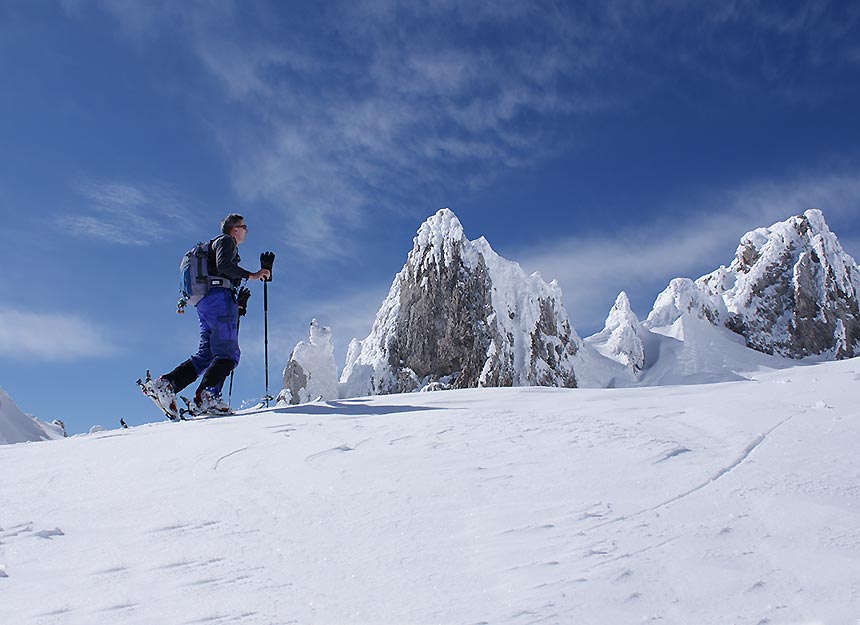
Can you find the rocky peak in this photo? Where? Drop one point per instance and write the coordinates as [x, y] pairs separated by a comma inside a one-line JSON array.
[[791, 290], [440, 238], [458, 316]]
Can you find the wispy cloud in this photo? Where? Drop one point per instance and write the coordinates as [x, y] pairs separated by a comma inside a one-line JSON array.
[[373, 105], [123, 214], [367, 107], [641, 259], [52, 337]]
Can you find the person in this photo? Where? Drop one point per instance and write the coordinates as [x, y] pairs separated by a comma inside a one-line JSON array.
[[218, 353]]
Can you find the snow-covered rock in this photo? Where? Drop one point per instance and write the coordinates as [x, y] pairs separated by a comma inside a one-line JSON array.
[[621, 337], [311, 371], [458, 315], [18, 427], [791, 290], [683, 296]]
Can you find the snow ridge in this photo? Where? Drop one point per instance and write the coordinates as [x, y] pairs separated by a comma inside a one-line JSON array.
[[18, 427]]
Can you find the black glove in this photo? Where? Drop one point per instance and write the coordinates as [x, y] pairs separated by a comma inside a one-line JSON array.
[[242, 300], [267, 259]]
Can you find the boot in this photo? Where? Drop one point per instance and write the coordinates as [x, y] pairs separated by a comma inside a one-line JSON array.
[[182, 376]]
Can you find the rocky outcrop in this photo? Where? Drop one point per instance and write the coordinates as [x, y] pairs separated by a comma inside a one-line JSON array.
[[311, 371], [791, 290], [460, 316]]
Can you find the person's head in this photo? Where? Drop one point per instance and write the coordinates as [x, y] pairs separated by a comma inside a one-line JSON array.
[[234, 225]]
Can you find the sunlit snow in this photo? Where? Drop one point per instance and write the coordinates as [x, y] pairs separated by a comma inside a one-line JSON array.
[[725, 503]]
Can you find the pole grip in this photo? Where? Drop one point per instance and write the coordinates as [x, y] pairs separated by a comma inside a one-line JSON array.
[[267, 260]]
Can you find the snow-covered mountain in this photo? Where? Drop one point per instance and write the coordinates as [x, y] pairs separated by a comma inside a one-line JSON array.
[[791, 290], [311, 371], [458, 315], [711, 504], [790, 293], [17, 427]]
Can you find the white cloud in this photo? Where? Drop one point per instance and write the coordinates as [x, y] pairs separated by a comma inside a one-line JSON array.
[[123, 214], [50, 337]]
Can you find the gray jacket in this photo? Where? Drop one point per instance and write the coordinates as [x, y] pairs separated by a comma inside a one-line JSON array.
[[224, 258]]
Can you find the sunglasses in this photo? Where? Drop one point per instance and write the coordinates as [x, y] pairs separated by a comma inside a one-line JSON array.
[[242, 226]]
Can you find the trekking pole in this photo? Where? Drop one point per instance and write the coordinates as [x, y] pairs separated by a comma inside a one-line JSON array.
[[233, 370], [266, 333], [267, 259], [242, 301]]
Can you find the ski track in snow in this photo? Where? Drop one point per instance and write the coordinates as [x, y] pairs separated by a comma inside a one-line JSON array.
[[745, 453], [682, 505], [225, 456]]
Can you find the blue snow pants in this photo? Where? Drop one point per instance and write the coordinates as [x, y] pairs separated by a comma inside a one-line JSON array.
[[219, 329]]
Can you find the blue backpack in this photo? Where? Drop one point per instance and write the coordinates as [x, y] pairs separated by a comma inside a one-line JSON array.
[[194, 278]]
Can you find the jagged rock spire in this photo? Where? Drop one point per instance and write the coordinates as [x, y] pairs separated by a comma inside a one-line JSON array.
[[791, 290], [458, 315]]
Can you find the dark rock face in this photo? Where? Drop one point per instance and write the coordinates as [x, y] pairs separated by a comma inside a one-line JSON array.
[[441, 329], [295, 379], [460, 316], [551, 346]]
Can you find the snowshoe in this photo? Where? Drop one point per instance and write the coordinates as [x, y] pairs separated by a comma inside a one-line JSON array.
[[161, 393]]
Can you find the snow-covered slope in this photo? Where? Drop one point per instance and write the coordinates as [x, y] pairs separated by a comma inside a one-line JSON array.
[[681, 342], [311, 371], [460, 316], [713, 504], [17, 427]]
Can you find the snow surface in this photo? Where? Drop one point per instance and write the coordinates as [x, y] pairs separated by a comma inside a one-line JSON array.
[[727, 503], [18, 427]]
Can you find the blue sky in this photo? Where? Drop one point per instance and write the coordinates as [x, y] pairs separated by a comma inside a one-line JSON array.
[[611, 145]]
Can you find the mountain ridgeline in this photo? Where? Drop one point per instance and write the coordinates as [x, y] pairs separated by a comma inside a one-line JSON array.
[[460, 316]]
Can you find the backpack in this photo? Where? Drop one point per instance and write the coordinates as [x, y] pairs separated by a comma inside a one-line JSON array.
[[194, 278]]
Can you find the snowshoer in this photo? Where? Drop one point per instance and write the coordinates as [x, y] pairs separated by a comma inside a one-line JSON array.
[[218, 353]]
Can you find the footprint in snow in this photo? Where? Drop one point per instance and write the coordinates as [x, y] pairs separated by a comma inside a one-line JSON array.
[[333, 450], [49, 534]]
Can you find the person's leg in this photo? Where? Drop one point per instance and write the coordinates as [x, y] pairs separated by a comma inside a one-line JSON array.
[[223, 342], [183, 375]]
